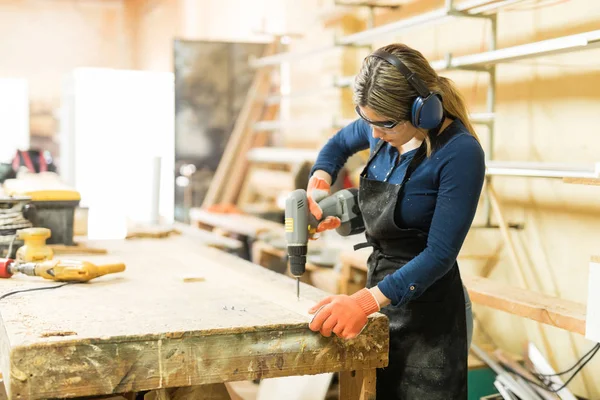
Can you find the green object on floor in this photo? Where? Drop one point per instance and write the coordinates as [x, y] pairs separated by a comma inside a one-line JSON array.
[[481, 383]]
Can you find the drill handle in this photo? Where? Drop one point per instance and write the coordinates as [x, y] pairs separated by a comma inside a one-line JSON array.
[[110, 269]]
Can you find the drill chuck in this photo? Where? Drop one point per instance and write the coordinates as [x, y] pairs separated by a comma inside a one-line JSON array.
[[26, 269], [297, 255]]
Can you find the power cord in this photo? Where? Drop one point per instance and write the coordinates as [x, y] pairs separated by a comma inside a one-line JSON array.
[[594, 349], [5, 295], [591, 353]]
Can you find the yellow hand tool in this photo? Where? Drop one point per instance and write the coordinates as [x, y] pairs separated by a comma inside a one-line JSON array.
[[59, 270], [34, 248]]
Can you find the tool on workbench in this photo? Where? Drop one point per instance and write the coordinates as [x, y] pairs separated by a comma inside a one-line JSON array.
[[300, 224], [59, 270], [34, 247], [15, 214], [53, 203]]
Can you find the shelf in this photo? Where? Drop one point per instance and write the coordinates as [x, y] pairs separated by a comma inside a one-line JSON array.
[[270, 126], [542, 170], [289, 56], [549, 310], [569, 172], [561, 45], [465, 9], [281, 155], [276, 98], [266, 126], [476, 118]]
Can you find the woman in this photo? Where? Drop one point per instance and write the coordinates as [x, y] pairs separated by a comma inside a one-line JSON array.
[[418, 195]]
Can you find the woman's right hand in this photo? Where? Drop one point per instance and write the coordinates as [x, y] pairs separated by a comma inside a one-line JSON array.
[[318, 188]]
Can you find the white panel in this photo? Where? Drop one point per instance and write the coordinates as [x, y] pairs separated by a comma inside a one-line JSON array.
[[592, 329], [120, 122], [14, 117]]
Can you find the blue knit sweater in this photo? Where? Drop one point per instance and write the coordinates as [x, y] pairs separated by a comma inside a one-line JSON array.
[[440, 199]]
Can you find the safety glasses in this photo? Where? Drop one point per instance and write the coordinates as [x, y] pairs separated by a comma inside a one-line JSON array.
[[381, 124]]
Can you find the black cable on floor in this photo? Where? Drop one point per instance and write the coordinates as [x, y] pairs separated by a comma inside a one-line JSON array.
[[592, 353], [594, 349], [5, 295]]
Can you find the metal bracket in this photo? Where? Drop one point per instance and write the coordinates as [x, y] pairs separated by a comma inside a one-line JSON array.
[[511, 225], [488, 69], [370, 4], [456, 13], [449, 5], [337, 43], [448, 66]]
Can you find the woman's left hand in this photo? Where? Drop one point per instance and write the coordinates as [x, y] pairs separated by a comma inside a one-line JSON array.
[[343, 315]]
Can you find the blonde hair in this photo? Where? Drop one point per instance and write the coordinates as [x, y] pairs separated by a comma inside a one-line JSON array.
[[382, 87]]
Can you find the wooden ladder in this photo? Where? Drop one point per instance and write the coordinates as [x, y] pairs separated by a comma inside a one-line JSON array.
[[226, 184]]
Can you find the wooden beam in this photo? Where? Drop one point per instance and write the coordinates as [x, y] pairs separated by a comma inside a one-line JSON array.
[[548, 310], [358, 385]]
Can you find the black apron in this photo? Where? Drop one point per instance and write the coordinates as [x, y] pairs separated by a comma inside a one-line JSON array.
[[428, 335]]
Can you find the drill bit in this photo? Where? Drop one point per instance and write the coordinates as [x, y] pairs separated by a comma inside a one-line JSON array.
[[298, 288]]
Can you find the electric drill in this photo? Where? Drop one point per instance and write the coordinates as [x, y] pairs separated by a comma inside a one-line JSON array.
[[300, 223], [58, 270]]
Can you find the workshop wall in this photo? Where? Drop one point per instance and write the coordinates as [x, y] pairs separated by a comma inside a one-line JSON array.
[[50, 38], [159, 22], [546, 111]]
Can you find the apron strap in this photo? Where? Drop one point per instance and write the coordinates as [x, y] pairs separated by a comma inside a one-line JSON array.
[[378, 147], [363, 245]]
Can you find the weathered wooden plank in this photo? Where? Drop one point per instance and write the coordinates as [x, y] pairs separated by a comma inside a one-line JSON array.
[[77, 369], [149, 328]]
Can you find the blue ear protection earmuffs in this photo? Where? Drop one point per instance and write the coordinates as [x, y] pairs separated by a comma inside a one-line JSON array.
[[427, 109]]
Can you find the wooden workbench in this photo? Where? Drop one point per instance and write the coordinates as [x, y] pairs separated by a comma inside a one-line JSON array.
[[181, 315]]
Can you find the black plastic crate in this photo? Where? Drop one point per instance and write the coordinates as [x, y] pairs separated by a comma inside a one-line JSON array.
[[58, 216]]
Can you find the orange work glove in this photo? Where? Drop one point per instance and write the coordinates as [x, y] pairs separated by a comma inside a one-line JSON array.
[[344, 315], [317, 190]]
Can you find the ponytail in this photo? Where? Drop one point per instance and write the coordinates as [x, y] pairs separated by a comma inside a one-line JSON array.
[[454, 104]]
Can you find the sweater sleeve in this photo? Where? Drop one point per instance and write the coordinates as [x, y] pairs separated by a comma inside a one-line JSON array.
[[349, 140], [460, 182]]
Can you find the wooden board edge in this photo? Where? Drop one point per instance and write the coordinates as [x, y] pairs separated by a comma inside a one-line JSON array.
[[549, 310], [73, 371], [582, 181]]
